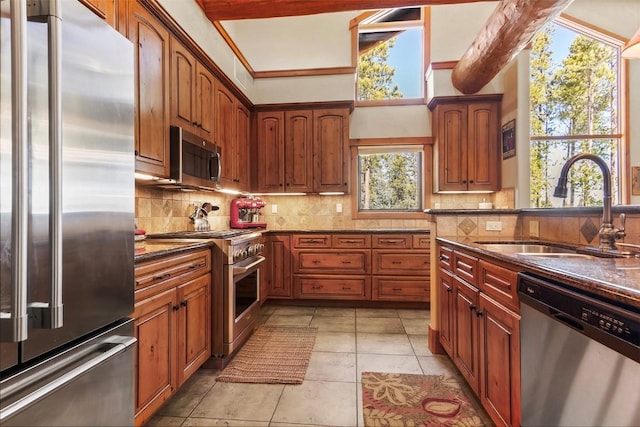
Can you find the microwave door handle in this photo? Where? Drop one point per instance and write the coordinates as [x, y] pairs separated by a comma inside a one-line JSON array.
[[48, 315], [14, 323], [218, 167]]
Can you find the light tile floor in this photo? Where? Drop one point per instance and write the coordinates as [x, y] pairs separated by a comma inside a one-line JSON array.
[[349, 341]]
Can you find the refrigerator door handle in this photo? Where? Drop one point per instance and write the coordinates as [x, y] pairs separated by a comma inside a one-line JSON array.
[[49, 315], [110, 351], [14, 324]]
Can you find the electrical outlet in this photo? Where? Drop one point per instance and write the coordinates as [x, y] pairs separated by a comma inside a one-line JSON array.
[[338, 207], [274, 209], [494, 226], [534, 229]]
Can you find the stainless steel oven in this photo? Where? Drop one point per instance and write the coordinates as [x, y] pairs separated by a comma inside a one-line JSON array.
[[241, 283], [235, 294]]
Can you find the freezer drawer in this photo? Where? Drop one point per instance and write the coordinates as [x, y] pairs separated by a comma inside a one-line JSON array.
[[90, 384]]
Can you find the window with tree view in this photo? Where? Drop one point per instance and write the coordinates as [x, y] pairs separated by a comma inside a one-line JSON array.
[[389, 179], [390, 55], [575, 108]]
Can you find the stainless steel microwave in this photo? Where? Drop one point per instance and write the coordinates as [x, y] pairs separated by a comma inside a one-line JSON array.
[[195, 162]]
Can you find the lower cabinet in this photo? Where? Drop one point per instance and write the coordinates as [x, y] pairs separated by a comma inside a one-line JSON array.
[[479, 329], [173, 327], [348, 266]]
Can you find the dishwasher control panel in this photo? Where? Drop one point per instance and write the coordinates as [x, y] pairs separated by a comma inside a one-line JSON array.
[[612, 325]]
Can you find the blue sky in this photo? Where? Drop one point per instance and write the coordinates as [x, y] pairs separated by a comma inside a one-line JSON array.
[[406, 61]]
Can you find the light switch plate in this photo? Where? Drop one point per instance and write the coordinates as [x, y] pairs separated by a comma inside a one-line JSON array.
[[534, 229], [494, 225], [338, 207], [274, 208]]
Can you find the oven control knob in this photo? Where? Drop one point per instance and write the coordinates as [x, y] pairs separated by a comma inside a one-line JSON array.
[[237, 255], [251, 250]]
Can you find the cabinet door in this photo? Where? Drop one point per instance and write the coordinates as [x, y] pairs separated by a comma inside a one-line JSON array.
[[298, 151], [225, 129], [156, 375], [183, 103], [500, 362], [447, 310], [194, 326], [465, 349], [242, 163], [451, 134], [331, 150], [278, 275], [483, 138], [151, 50], [270, 148], [204, 101]]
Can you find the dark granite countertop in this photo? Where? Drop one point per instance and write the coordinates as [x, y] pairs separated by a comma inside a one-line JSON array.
[[148, 249], [617, 279], [352, 231], [591, 210]]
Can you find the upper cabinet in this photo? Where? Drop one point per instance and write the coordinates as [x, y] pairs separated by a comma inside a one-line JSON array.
[[105, 9], [302, 150], [232, 135], [192, 92], [467, 143], [151, 42]]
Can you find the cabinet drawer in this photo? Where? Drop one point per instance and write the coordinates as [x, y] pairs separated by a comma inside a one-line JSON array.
[[400, 289], [500, 283], [392, 241], [349, 241], [466, 267], [311, 241], [327, 287], [352, 262], [154, 276], [421, 241], [406, 263], [445, 258]]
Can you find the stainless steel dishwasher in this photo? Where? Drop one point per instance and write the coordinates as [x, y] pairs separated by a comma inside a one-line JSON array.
[[580, 357]]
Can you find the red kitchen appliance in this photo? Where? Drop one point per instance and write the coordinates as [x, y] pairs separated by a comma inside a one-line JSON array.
[[245, 213]]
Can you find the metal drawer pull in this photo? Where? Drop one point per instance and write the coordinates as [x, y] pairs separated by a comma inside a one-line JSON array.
[[350, 241], [397, 289], [391, 241], [316, 287], [314, 241], [194, 266], [315, 261], [184, 303], [396, 262], [346, 288], [162, 276], [346, 262]]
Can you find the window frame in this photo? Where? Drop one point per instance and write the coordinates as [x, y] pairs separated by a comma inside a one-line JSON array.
[[423, 143], [354, 27], [618, 43]]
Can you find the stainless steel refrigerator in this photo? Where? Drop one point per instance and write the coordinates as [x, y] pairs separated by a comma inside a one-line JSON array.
[[66, 217]]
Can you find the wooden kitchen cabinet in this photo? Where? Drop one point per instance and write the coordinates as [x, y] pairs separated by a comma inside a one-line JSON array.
[[172, 316], [278, 269], [192, 92], [324, 271], [400, 267], [479, 329], [151, 42], [105, 9], [232, 135], [467, 143], [331, 150], [302, 150]]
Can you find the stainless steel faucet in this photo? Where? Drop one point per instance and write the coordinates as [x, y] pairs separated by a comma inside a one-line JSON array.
[[608, 233]]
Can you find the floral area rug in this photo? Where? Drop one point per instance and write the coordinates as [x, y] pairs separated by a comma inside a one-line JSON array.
[[416, 400]]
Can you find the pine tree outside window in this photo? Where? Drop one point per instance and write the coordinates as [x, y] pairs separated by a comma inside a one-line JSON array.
[[576, 104], [390, 56]]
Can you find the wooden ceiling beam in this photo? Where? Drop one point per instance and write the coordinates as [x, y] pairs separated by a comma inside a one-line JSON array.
[[508, 30], [224, 10]]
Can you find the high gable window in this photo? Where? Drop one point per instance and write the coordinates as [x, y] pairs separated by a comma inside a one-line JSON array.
[[390, 50], [576, 99]]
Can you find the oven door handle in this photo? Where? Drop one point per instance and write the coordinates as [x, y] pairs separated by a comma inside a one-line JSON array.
[[244, 269]]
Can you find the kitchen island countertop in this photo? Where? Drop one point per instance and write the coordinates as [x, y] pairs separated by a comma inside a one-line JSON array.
[[617, 279]]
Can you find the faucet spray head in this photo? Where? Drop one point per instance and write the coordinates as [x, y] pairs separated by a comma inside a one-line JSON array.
[[561, 187]]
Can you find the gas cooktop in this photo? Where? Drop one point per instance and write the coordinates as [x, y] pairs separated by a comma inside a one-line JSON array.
[[210, 234]]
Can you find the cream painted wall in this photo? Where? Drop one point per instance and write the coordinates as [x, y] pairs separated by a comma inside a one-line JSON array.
[[387, 122], [454, 27], [316, 41]]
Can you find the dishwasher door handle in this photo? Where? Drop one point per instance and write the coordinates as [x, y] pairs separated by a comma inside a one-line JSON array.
[[567, 320]]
